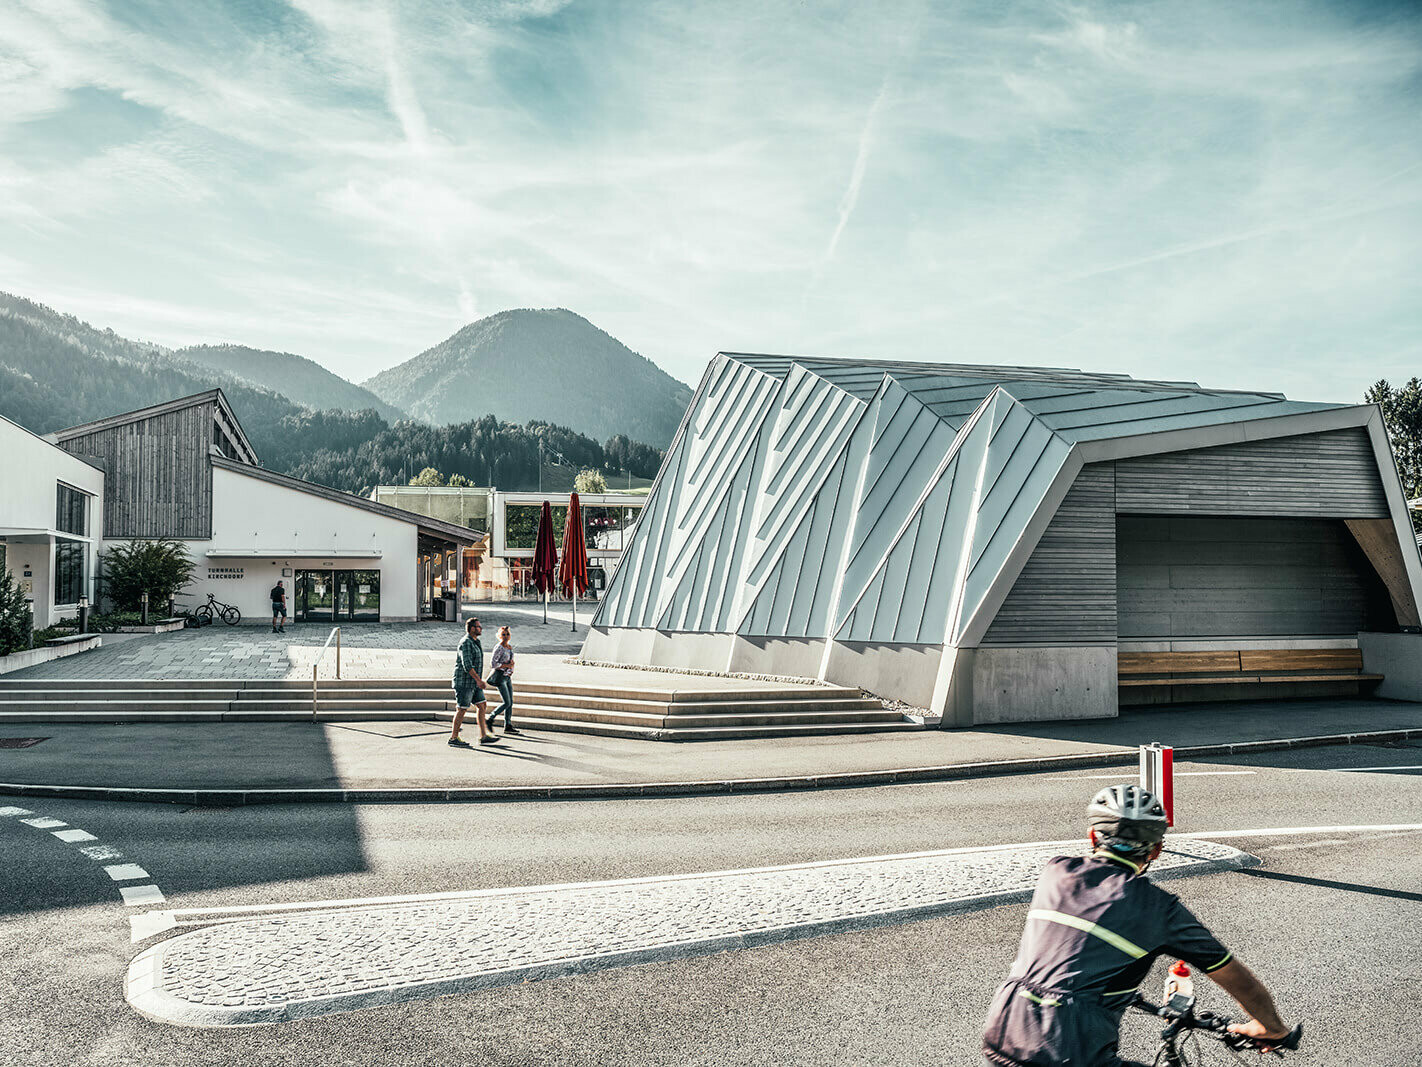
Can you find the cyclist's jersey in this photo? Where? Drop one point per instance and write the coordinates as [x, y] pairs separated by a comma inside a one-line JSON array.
[[1094, 929]]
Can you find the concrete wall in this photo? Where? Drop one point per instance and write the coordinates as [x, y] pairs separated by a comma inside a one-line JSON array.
[[902, 672], [796, 657], [1038, 684], [1399, 657], [1220, 576]]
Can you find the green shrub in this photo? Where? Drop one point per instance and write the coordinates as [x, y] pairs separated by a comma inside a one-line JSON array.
[[51, 632], [160, 568], [15, 618]]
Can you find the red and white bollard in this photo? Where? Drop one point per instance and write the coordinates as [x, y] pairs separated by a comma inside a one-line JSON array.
[[1158, 775]]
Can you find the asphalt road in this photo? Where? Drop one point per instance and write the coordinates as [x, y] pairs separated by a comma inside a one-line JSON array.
[[1331, 922]]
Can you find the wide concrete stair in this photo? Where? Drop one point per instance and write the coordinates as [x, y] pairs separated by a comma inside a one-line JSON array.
[[645, 712]]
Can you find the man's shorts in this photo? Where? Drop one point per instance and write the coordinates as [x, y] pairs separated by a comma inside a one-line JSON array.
[[278, 609], [466, 696]]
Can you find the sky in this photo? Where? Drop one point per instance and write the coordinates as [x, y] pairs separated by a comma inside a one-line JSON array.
[[1228, 192]]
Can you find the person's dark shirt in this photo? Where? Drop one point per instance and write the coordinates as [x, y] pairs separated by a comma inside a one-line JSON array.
[[1095, 927], [278, 595]]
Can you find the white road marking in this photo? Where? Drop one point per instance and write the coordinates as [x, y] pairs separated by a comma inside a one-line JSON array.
[[74, 836], [1126, 777], [145, 925], [99, 853], [44, 822], [1315, 770], [1293, 831], [125, 872], [8, 812], [137, 895]]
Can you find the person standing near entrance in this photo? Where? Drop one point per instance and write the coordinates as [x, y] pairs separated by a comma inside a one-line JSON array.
[[501, 674], [278, 608], [469, 685]]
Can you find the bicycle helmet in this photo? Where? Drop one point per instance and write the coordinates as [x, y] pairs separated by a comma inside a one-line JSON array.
[[1129, 818]]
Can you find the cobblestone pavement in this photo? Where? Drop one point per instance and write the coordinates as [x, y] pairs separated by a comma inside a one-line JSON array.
[[253, 652], [288, 965]]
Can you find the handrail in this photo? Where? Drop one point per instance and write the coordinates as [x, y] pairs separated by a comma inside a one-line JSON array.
[[315, 696]]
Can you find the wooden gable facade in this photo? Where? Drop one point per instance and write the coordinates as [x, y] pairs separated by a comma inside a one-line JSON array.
[[158, 465]]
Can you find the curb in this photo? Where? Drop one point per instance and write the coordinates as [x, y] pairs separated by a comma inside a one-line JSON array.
[[143, 986], [844, 780]]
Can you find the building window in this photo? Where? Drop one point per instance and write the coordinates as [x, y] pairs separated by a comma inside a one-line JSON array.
[[69, 557], [72, 513], [521, 524]]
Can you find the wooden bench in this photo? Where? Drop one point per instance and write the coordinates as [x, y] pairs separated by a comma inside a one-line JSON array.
[[1263, 666]]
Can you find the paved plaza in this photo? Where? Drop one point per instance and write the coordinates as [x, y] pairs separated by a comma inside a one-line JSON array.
[[286, 965], [423, 649]]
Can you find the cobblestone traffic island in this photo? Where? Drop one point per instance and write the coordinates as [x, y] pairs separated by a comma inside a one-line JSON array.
[[339, 956]]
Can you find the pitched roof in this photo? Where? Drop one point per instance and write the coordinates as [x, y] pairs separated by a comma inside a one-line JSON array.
[[153, 410], [792, 499]]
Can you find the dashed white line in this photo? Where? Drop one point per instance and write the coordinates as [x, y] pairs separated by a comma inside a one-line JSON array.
[[138, 895], [44, 822], [99, 853], [9, 812], [74, 836], [125, 872]]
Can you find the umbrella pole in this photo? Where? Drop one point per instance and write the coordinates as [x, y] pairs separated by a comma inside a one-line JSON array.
[[575, 607], [545, 607]]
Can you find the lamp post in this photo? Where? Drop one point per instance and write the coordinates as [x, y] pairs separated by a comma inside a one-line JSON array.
[[83, 614], [30, 607], [143, 608]]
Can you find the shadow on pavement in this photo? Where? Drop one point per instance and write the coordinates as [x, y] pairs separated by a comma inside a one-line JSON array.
[[1328, 883]]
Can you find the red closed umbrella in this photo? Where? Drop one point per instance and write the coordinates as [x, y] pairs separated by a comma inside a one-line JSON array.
[[573, 570], [545, 557]]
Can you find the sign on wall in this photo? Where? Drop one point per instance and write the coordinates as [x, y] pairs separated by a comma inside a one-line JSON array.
[[220, 573]]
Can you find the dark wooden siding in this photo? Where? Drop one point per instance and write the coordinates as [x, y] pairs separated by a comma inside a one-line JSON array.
[[1325, 475], [1066, 594], [158, 478], [1218, 576]]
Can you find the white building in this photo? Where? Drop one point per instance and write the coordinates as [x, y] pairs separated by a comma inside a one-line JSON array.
[[499, 564], [185, 470], [51, 516]]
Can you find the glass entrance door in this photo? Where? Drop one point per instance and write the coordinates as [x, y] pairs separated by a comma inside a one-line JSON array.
[[337, 596]]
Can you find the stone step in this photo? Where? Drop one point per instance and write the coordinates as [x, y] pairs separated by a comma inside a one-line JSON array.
[[685, 722], [727, 733]]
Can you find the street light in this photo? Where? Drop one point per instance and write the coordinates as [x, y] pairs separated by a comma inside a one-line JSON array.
[[143, 608], [83, 614]]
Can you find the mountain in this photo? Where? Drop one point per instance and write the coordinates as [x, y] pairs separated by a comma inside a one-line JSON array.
[[547, 364], [295, 377], [58, 371]]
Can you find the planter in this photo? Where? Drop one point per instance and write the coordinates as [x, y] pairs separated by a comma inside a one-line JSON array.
[[162, 626], [67, 646]]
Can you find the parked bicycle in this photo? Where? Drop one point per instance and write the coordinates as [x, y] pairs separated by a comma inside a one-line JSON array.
[[203, 614], [1185, 1023]]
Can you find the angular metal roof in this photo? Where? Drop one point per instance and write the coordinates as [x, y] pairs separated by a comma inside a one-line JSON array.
[[873, 501]]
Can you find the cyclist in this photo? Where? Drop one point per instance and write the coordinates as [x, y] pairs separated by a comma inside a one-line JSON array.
[[1095, 926]]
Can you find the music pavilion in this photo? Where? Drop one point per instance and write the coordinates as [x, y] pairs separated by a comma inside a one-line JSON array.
[[999, 544], [185, 470]]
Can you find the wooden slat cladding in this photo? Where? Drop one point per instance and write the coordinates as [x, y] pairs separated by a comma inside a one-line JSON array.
[[1324, 475], [1066, 594], [158, 478]]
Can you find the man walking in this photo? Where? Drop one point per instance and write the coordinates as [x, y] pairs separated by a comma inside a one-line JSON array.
[[469, 685], [278, 608]]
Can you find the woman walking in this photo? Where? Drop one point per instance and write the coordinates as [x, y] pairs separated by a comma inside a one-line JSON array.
[[501, 674]]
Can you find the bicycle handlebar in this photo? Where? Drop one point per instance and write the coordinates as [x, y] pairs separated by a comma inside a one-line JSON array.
[[1217, 1027]]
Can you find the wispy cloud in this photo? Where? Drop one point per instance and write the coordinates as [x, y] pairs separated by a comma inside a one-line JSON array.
[[1127, 187]]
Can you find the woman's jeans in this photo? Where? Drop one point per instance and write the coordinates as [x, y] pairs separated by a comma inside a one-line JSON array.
[[505, 684]]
